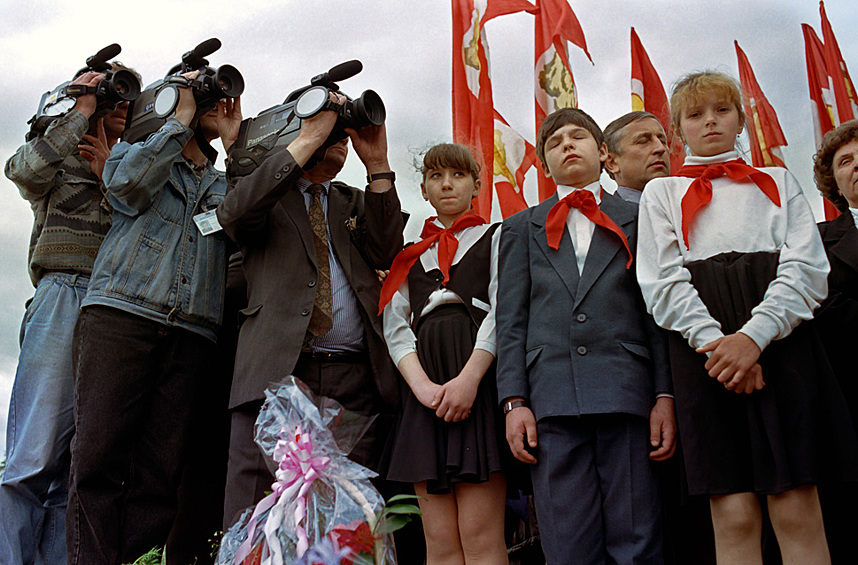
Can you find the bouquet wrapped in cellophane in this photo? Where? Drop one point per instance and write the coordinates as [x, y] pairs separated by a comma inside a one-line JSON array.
[[323, 508]]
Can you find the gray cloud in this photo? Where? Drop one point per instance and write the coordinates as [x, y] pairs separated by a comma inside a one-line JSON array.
[[405, 48]]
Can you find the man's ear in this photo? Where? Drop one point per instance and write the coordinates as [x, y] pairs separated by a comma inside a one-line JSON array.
[[612, 165]]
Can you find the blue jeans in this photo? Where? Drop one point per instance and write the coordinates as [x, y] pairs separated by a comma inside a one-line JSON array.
[[34, 488]]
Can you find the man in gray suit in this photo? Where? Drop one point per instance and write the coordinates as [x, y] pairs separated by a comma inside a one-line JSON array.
[[582, 371], [311, 248], [637, 153]]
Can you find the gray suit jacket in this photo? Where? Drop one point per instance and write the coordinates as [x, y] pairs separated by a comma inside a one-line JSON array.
[[573, 344], [265, 213]]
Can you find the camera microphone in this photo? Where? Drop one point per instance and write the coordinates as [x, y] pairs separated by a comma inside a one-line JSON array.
[[345, 70], [338, 73], [202, 50], [103, 56]]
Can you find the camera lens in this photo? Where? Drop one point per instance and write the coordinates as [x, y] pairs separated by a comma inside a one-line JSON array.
[[124, 85], [229, 81], [368, 110]]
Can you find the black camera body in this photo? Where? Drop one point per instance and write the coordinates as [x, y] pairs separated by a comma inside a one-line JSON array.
[[278, 126], [157, 103], [116, 86]]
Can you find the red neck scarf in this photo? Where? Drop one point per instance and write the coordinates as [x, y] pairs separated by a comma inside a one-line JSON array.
[[586, 202], [447, 246], [699, 194]]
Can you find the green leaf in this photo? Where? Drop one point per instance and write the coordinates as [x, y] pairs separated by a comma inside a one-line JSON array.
[[391, 523], [399, 497], [402, 509], [153, 557]]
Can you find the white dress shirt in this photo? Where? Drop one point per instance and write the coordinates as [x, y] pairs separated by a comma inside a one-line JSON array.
[[580, 227]]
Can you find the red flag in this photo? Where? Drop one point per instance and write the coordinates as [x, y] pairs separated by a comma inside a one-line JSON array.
[[473, 107], [821, 97], [472, 95], [554, 87], [648, 95], [764, 130], [838, 76], [513, 157]]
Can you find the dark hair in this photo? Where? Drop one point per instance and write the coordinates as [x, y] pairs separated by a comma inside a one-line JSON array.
[[450, 155], [823, 162], [560, 118]]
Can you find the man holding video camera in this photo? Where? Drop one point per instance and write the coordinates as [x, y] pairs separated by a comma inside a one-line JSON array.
[[146, 328], [311, 248], [59, 174]]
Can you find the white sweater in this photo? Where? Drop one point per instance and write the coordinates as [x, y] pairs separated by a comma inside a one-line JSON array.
[[739, 218]]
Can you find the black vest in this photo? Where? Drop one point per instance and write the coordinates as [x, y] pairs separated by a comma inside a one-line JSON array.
[[475, 269]]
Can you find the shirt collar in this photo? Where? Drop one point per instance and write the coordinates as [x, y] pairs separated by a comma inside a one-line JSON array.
[[196, 168], [595, 187], [720, 158], [629, 194], [304, 185], [854, 215]]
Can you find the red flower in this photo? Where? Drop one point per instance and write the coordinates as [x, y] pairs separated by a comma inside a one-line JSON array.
[[356, 536], [255, 556]]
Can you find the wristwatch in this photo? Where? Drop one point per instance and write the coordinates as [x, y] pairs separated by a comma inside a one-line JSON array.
[[511, 405], [390, 175]]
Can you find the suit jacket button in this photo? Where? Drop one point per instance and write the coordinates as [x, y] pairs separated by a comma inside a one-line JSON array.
[[277, 176], [581, 318], [305, 312], [582, 350], [311, 284]]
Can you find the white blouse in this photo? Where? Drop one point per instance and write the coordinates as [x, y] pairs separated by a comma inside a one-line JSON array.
[[397, 314], [739, 218]]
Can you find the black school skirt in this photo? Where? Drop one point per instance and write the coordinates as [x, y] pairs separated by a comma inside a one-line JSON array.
[[425, 447], [795, 431]]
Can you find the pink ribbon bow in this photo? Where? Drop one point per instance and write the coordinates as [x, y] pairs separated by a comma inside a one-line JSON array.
[[297, 469]]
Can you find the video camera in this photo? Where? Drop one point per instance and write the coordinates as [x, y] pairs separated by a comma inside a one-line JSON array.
[[158, 102], [117, 86], [278, 126]]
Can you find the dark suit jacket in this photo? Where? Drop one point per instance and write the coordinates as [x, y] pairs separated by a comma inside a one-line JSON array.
[[265, 213], [573, 344], [837, 317]]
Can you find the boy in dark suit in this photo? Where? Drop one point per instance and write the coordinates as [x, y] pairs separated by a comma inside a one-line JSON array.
[[581, 366]]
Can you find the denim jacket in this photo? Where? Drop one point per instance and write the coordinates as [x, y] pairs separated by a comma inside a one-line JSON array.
[[154, 261]]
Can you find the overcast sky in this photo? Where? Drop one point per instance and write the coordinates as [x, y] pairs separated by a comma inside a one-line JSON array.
[[278, 45]]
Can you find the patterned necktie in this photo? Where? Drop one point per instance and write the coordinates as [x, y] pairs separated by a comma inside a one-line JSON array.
[[322, 319]]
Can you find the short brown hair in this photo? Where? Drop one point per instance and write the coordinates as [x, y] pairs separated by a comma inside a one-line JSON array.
[[450, 155], [560, 118], [823, 162], [694, 86]]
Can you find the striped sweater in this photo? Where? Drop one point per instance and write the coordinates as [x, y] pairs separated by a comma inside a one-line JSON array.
[[72, 213]]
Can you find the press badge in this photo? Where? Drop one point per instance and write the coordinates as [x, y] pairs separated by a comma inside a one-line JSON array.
[[207, 222]]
